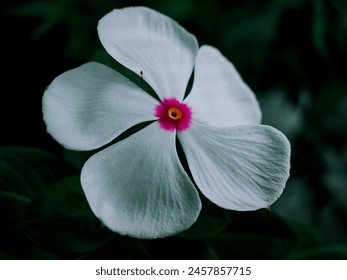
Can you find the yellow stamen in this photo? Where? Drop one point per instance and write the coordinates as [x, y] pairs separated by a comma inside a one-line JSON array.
[[174, 113]]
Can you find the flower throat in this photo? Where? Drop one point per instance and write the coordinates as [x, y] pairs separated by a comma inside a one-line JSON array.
[[173, 115]]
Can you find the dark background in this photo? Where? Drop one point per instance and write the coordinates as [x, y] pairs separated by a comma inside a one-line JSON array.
[[292, 53]]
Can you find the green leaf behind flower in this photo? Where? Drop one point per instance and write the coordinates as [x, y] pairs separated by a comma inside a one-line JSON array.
[[25, 172], [60, 220], [257, 234], [326, 252]]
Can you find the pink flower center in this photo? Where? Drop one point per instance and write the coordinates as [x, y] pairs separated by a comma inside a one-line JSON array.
[[173, 115]]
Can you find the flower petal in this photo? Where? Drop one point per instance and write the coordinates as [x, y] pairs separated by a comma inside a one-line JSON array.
[[138, 187], [87, 107], [144, 40], [240, 168], [219, 97]]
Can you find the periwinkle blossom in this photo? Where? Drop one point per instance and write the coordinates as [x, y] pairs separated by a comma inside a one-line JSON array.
[[137, 186]]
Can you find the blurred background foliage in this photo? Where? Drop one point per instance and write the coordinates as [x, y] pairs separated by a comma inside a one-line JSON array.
[[292, 53]]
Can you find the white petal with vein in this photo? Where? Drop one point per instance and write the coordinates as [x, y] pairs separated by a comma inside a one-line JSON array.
[[239, 168], [219, 97], [87, 107], [144, 40], [138, 187]]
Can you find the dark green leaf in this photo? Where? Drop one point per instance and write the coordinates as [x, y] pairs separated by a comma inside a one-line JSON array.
[[175, 248], [77, 158], [13, 241], [327, 252], [319, 28], [205, 227], [50, 13], [254, 235], [307, 236], [120, 248], [60, 220], [248, 40], [212, 219], [4, 256], [251, 246], [25, 172]]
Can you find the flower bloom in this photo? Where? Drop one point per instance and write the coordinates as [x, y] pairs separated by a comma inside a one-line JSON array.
[[138, 186]]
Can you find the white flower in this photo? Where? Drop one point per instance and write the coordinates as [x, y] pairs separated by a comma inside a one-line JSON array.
[[138, 186]]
